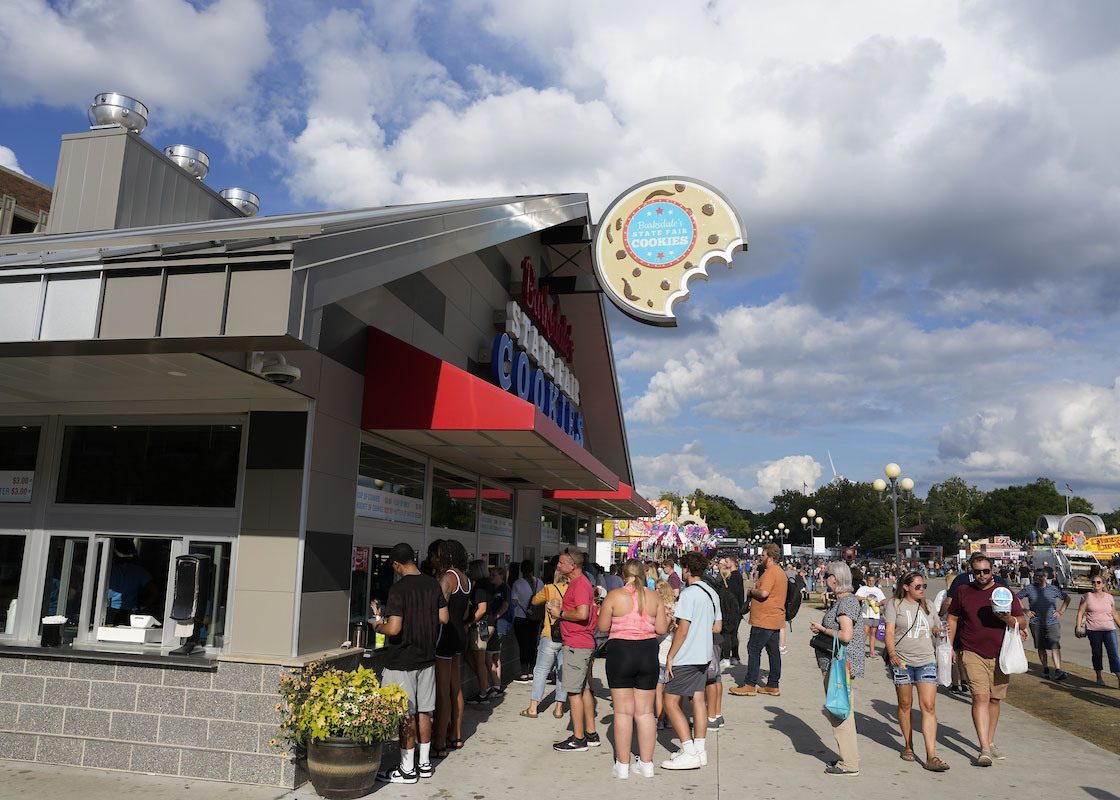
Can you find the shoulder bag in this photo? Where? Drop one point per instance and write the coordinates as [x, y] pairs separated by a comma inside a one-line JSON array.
[[554, 622], [838, 695]]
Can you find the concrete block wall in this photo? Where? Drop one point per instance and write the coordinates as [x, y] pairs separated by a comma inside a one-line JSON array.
[[201, 723]]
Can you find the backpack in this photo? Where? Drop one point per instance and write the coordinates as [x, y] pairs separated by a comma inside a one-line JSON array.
[[793, 597], [728, 607]]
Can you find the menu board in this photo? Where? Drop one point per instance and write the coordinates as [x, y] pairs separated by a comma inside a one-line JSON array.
[[490, 525]]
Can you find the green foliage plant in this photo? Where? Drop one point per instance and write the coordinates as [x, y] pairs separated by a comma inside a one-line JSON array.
[[320, 702]]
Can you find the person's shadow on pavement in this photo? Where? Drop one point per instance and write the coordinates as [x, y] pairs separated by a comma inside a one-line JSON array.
[[945, 733], [804, 739]]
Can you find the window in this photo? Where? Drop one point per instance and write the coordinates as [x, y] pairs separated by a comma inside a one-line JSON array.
[[567, 528], [19, 445], [550, 525], [212, 632], [497, 512], [390, 487], [454, 500], [11, 567], [149, 465], [65, 580]]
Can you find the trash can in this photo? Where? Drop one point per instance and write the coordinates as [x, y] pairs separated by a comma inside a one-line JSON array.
[[52, 635]]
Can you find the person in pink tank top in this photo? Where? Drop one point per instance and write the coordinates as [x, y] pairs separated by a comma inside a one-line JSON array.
[[1098, 619], [634, 616]]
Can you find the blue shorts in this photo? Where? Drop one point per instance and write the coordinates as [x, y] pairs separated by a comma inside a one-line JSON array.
[[904, 676]]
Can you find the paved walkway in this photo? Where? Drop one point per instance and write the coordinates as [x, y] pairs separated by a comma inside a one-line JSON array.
[[772, 748]]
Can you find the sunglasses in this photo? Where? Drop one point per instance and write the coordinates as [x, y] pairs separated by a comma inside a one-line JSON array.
[[829, 575], [917, 586], [981, 572], [1100, 582]]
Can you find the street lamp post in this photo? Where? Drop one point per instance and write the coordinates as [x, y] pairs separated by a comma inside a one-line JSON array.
[[813, 523], [782, 536], [896, 486]]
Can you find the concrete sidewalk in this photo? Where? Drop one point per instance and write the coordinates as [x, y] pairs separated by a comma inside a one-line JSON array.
[[773, 747]]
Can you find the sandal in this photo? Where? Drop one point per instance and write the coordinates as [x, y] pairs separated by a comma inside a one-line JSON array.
[[907, 755], [455, 744], [530, 714], [935, 764]]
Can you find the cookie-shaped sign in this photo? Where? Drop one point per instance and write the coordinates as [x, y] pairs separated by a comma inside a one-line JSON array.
[[656, 237]]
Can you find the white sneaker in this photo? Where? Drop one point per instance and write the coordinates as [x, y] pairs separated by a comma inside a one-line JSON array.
[[643, 769], [703, 758], [620, 771], [724, 663], [682, 760]]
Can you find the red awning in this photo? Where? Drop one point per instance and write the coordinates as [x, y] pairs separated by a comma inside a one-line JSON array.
[[623, 503], [424, 403]]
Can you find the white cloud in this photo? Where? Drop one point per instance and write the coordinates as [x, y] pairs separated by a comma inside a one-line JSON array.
[[1069, 430], [690, 468], [785, 367], [8, 159], [190, 65]]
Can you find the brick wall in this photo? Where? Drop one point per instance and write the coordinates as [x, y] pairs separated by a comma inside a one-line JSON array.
[[202, 723]]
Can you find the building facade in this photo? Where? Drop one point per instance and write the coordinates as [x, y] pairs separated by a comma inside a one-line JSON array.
[[286, 397]]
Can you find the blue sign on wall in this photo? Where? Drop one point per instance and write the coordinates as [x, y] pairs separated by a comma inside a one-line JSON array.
[[513, 372]]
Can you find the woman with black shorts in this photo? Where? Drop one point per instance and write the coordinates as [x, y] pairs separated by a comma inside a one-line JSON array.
[[634, 616], [451, 562]]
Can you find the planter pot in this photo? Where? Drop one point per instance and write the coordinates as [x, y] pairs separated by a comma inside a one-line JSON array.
[[341, 769]]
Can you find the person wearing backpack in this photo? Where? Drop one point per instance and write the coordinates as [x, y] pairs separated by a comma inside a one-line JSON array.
[[767, 619], [795, 586]]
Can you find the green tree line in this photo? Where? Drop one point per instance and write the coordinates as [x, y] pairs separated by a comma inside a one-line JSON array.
[[853, 511]]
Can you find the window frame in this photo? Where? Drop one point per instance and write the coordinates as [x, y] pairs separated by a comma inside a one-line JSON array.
[[21, 584], [232, 513]]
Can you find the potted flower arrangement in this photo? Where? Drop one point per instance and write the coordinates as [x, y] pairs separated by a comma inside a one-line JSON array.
[[339, 719]]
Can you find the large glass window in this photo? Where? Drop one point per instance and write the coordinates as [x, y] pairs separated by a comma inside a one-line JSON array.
[[19, 445], [151, 465], [11, 566], [454, 501], [390, 487], [64, 581], [212, 633], [497, 512], [567, 528], [550, 525]]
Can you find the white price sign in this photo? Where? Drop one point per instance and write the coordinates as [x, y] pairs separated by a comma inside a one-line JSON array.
[[15, 486], [495, 526], [376, 504]]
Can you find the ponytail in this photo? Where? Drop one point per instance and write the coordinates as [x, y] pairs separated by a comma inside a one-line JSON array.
[[634, 574]]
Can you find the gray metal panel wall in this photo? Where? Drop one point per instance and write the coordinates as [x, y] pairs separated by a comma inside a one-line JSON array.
[[154, 191], [87, 184]]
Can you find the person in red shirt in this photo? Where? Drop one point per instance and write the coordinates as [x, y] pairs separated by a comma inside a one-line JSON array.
[[577, 615], [978, 630]]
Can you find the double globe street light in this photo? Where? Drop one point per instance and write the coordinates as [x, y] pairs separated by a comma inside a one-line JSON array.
[[896, 487], [811, 522]]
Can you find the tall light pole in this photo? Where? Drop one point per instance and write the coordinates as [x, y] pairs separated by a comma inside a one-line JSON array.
[[812, 523], [903, 486], [782, 536]]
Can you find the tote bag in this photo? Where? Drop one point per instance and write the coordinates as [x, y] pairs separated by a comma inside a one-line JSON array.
[[838, 696], [1012, 657], [944, 663]]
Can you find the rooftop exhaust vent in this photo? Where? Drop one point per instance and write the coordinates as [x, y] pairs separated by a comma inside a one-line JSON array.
[[112, 108], [193, 160], [243, 200]]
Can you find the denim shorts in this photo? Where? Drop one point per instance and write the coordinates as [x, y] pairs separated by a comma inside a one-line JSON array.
[[904, 676]]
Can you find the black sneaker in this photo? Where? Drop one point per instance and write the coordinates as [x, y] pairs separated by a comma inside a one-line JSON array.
[[478, 699], [571, 745], [592, 740], [1060, 674], [496, 691], [425, 770], [715, 724], [397, 775]]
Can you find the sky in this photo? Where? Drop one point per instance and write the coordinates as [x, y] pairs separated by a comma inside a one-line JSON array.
[[930, 193]]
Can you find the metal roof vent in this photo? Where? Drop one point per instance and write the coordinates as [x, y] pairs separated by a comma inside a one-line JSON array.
[[113, 108], [193, 160], [243, 200]]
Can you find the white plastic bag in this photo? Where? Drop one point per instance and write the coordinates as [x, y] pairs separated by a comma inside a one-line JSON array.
[[944, 663], [1012, 657]]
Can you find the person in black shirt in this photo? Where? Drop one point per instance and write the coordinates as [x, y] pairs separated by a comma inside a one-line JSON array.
[[414, 609], [480, 627]]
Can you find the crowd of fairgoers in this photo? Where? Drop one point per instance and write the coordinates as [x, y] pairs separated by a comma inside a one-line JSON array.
[[668, 629]]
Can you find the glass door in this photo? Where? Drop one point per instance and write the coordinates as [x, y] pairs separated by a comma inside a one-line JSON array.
[[66, 583]]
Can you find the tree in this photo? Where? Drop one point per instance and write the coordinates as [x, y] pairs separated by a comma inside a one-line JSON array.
[[719, 512], [953, 502], [1014, 510]]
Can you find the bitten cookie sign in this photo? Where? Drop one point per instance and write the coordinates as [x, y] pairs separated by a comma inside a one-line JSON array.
[[655, 237]]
